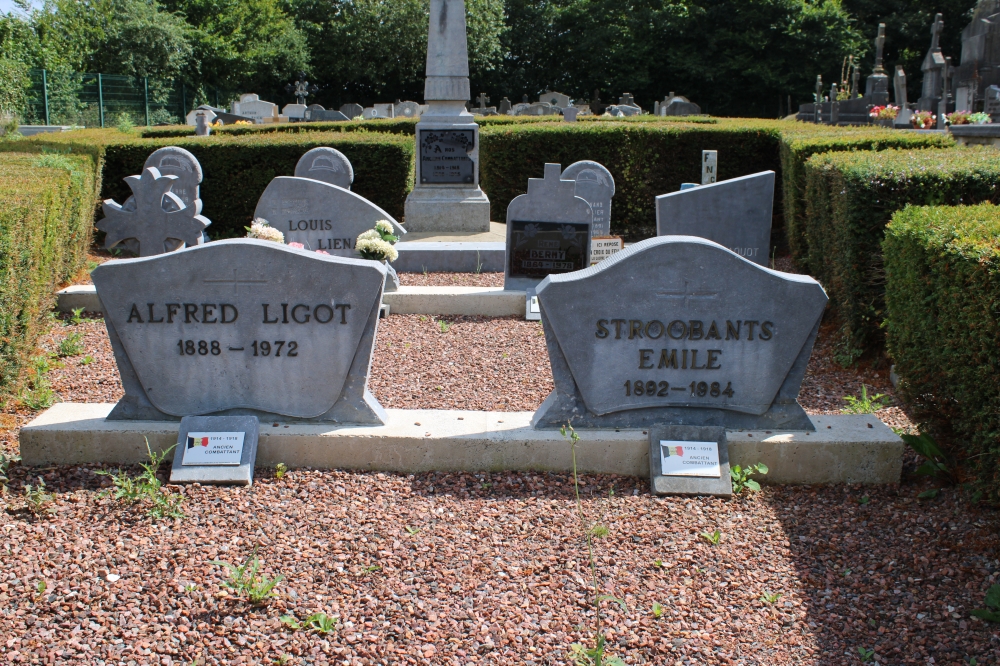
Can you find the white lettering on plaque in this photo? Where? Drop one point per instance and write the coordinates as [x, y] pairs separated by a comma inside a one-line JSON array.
[[689, 459], [213, 448]]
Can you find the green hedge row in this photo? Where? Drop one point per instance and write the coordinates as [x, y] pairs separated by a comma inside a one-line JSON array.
[[46, 216], [850, 197], [646, 159], [942, 268], [238, 167]]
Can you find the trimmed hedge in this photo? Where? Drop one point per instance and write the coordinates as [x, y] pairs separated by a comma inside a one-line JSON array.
[[646, 159], [851, 196], [238, 167], [942, 267], [46, 216], [802, 141]]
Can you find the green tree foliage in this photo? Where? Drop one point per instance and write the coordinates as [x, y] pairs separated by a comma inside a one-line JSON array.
[[13, 83]]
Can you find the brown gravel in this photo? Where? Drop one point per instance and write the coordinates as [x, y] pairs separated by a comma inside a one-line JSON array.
[[491, 569], [451, 279]]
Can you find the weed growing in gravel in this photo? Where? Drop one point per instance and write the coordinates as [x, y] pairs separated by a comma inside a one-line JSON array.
[[657, 610], [929, 494], [5, 462], [658, 563], [769, 598], [282, 660], [580, 655], [77, 317], [86, 360], [599, 531], [867, 654], [864, 500], [37, 499], [741, 477], [992, 612], [38, 393], [443, 325], [935, 460], [865, 404], [371, 568], [245, 582], [40, 588], [712, 537], [319, 623], [146, 487], [280, 471], [71, 345], [412, 531]]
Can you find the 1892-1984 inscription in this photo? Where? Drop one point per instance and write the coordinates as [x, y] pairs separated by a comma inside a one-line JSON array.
[[243, 325], [538, 249], [694, 335], [444, 156]]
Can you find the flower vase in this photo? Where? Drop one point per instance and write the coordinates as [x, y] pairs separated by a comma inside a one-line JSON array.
[[391, 278]]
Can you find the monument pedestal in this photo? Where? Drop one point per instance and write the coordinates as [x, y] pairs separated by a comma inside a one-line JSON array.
[[447, 209]]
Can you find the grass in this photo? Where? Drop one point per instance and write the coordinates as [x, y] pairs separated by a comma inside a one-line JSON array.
[[712, 537], [38, 393], [319, 623], [865, 404], [147, 488], [245, 580], [71, 345]]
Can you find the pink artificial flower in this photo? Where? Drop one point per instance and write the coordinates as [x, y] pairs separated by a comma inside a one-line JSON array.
[[322, 252], [299, 246]]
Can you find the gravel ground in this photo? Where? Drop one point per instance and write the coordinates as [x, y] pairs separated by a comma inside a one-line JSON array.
[[451, 279]]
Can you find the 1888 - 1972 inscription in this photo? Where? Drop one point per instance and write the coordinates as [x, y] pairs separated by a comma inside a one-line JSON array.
[[243, 325], [444, 156]]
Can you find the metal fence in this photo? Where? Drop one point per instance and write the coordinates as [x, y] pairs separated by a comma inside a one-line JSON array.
[[102, 100]]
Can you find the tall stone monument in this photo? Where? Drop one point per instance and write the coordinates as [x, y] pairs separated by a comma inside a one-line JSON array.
[[446, 195], [932, 68], [877, 85]]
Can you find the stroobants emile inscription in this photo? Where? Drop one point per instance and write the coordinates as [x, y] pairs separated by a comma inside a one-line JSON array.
[[695, 335], [243, 326]]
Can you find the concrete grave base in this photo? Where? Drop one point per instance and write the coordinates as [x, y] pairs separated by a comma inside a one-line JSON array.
[[843, 448], [446, 209]]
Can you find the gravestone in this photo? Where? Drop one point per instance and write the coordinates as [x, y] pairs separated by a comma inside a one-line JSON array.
[[623, 110], [253, 107], [323, 115], [709, 166], [352, 110], [203, 125], [628, 100], [519, 109], [538, 109], [319, 215], [877, 85], [555, 99], [735, 213], [933, 69], [596, 186], [899, 82], [548, 231], [406, 110], [678, 330], [678, 105], [243, 327], [504, 107], [991, 103], [154, 218], [216, 449], [294, 111], [207, 111], [328, 165], [689, 460], [444, 156], [569, 114]]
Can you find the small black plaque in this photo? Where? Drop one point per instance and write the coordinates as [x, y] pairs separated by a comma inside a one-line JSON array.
[[444, 156], [538, 249]]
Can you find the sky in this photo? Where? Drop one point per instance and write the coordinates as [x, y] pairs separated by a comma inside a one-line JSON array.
[[8, 5]]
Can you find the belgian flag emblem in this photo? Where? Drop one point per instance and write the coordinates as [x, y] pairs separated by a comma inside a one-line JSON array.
[[669, 451], [193, 442]]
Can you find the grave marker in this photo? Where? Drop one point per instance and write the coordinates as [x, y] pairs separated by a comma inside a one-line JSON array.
[[689, 460], [548, 231], [328, 165], [216, 449], [596, 186], [678, 330], [243, 327], [735, 213], [709, 166], [319, 215], [352, 110]]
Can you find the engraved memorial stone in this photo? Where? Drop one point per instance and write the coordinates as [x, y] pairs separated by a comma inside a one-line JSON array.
[[240, 327], [595, 185], [319, 215], [570, 113], [444, 156], [322, 115], [689, 460], [548, 231], [175, 161], [328, 165], [406, 110], [203, 125], [216, 449], [735, 213], [555, 99], [709, 166], [155, 218], [253, 107], [504, 107], [352, 110], [693, 335]]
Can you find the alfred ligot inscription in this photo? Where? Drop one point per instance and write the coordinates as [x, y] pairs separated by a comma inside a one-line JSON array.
[[243, 325], [694, 335], [444, 156]]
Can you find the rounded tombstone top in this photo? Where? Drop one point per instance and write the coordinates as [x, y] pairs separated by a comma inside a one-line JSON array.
[[587, 171], [174, 161], [328, 165]]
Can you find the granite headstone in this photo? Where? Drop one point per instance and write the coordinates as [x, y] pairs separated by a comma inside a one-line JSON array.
[[154, 220], [319, 215], [328, 165], [406, 110], [692, 334], [596, 186], [555, 99], [352, 110], [735, 213], [548, 231], [242, 326]]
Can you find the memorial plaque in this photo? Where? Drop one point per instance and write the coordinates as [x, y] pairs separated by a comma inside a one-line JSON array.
[[595, 184], [319, 215], [444, 156], [543, 248], [689, 460], [678, 330], [216, 449], [735, 213], [243, 327], [548, 231], [709, 166], [602, 248]]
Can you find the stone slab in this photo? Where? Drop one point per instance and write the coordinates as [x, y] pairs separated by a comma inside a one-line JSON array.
[[193, 332], [445, 208], [79, 296], [483, 301], [735, 213], [842, 449], [445, 257], [660, 484], [240, 475]]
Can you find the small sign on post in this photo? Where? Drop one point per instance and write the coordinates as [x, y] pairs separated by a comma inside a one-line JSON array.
[[709, 166], [216, 449], [689, 460], [531, 310], [602, 247]]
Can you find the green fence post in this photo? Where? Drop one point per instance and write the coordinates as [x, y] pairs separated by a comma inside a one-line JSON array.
[[100, 98], [216, 98], [145, 92], [184, 104], [45, 95]]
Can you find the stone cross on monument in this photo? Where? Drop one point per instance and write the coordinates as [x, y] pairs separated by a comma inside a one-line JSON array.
[[447, 196], [877, 86], [483, 100], [301, 89], [879, 49], [936, 29]]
